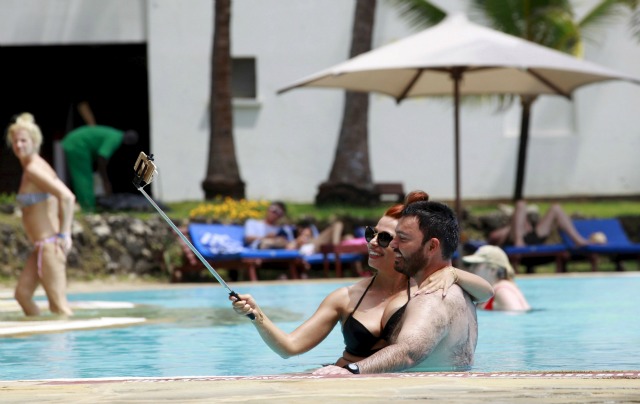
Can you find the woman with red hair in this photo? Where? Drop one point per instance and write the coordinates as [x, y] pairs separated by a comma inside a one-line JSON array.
[[367, 310]]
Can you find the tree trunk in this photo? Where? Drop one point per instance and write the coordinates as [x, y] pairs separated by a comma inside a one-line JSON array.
[[350, 178], [526, 102], [223, 176]]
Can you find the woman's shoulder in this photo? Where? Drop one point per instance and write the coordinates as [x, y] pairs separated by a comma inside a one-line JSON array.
[[504, 285], [340, 293], [345, 293], [38, 166], [39, 176]]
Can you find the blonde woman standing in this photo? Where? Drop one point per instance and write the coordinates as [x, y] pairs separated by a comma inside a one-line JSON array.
[[47, 214]]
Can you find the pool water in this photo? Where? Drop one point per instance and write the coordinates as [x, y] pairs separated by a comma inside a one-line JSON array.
[[578, 323]]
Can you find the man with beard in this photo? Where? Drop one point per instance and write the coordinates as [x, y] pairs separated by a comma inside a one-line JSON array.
[[434, 333]]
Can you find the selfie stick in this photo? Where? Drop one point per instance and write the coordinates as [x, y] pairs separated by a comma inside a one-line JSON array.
[[145, 172]]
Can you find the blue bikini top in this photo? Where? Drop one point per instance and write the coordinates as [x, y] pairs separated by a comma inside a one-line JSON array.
[[25, 200]]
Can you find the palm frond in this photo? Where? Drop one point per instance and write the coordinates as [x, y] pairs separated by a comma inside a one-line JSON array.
[[556, 28], [420, 13], [635, 24], [606, 12], [504, 15]]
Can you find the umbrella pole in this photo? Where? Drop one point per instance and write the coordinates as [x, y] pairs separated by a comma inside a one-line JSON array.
[[456, 75], [526, 101]]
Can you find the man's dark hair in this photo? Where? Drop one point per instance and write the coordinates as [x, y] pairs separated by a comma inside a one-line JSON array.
[[436, 220]]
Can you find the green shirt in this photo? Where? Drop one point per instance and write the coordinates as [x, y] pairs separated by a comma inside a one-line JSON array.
[[98, 140]]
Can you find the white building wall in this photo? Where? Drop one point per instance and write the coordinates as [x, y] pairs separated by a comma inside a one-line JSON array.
[[48, 22], [285, 143], [179, 51]]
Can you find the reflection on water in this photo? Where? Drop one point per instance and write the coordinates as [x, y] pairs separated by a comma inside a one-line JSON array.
[[177, 316], [216, 317]]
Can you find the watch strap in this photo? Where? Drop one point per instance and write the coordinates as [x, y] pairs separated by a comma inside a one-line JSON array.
[[353, 368]]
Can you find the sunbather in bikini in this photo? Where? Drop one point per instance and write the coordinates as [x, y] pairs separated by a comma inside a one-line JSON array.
[[521, 231]]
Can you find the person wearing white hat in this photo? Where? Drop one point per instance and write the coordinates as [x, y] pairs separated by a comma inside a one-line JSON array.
[[492, 263]]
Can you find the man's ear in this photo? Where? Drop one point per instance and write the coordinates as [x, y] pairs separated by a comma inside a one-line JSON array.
[[432, 245]]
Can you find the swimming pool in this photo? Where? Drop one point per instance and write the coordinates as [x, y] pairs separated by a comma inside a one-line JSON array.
[[579, 323]]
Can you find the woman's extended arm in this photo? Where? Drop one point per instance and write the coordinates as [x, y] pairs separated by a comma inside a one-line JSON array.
[[476, 286], [308, 335]]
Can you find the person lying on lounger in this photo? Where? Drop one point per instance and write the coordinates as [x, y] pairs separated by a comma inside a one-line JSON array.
[[268, 232], [308, 239], [521, 231]]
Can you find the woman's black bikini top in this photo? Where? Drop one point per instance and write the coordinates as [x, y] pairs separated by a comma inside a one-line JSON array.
[[359, 341]]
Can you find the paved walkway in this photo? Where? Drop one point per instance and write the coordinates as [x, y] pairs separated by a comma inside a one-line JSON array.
[[513, 388]]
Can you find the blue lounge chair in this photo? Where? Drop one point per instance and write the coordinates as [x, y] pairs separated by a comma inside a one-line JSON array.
[[338, 255], [618, 246], [222, 245], [533, 255], [530, 256]]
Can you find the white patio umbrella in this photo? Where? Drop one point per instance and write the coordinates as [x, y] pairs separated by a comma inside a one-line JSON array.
[[457, 57]]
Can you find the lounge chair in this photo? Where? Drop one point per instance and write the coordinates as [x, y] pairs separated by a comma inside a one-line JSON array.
[[222, 245], [618, 247], [351, 252], [533, 255], [337, 255], [530, 256]]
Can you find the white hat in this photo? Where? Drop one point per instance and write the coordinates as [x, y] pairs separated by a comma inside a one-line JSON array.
[[491, 255]]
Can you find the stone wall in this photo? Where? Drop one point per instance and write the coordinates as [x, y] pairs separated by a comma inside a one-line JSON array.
[[119, 244], [105, 244]]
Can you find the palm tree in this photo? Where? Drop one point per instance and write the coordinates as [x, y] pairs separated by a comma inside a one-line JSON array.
[[547, 22], [550, 23], [350, 179], [223, 176]]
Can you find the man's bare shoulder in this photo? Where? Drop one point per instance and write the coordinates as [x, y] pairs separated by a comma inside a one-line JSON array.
[[455, 295]]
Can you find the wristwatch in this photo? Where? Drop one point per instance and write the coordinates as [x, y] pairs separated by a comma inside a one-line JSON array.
[[353, 368]]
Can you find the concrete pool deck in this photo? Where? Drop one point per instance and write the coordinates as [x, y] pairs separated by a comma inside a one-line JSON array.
[[529, 387], [610, 386]]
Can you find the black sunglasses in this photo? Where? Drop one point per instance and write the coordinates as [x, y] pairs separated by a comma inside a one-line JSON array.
[[384, 238]]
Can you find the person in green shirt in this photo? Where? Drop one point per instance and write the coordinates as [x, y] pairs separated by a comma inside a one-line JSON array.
[[85, 146]]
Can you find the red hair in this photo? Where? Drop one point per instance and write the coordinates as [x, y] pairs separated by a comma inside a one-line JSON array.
[[413, 196]]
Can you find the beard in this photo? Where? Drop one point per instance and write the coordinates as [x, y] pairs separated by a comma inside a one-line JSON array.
[[410, 265]]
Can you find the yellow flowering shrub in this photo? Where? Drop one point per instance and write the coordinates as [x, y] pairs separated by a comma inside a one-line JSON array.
[[229, 210]]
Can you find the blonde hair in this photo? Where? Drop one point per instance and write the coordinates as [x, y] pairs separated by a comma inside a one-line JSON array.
[[27, 122]]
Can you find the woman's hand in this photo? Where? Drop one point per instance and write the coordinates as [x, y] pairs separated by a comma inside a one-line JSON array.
[[65, 242], [245, 305], [441, 279]]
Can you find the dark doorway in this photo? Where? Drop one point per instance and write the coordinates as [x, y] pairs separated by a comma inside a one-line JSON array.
[[49, 82]]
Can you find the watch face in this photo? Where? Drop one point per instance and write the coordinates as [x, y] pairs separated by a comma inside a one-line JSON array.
[[353, 368]]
